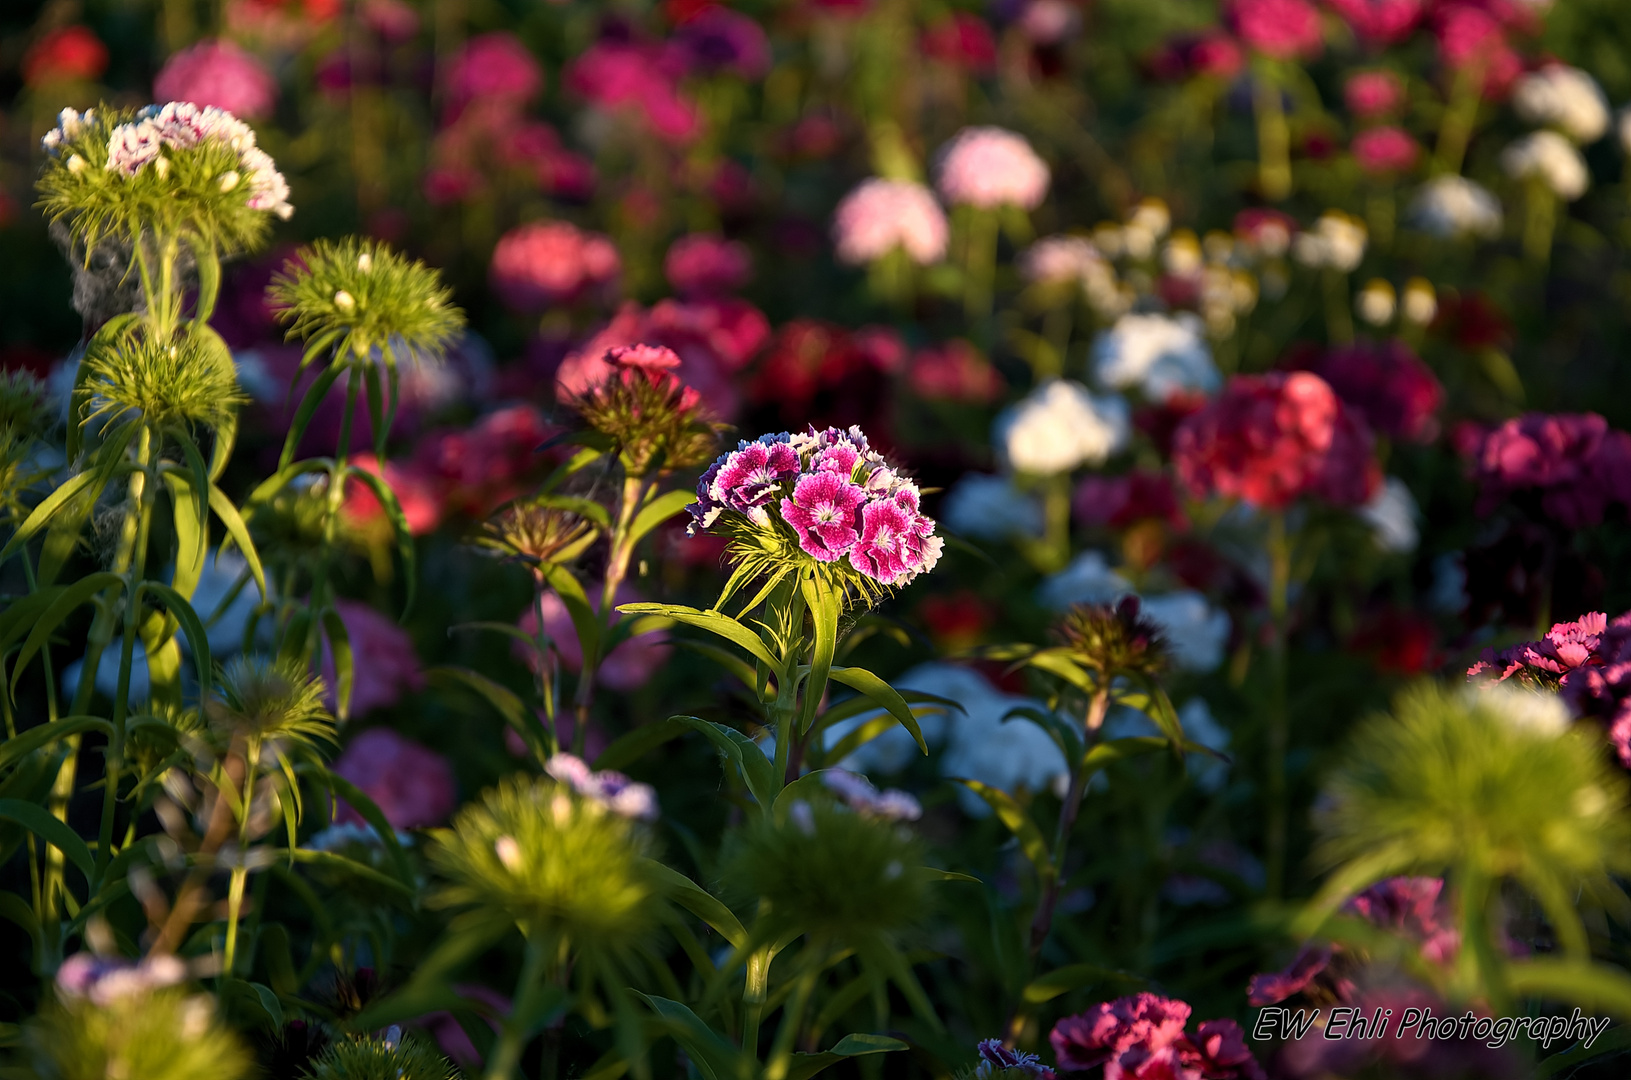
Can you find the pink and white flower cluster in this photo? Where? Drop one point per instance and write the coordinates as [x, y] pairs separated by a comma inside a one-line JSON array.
[[181, 125], [837, 495], [989, 167], [881, 215], [612, 790]]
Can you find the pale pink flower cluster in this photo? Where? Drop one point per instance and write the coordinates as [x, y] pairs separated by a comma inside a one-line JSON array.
[[543, 263], [612, 790], [217, 73], [181, 125], [105, 980], [881, 215], [988, 167]]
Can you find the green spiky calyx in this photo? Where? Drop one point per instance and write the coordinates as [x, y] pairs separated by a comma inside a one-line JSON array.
[[388, 1058], [827, 870], [158, 1035], [190, 380], [25, 405], [1113, 639], [558, 865], [1463, 774], [762, 555], [653, 419], [357, 296], [262, 700], [533, 532], [165, 171]]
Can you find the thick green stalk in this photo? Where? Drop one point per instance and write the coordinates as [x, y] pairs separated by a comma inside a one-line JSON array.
[[619, 553], [1539, 221], [781, 1052], [1460, 116], [513, 1038], [240, 869], [755, 988], [980, 267]]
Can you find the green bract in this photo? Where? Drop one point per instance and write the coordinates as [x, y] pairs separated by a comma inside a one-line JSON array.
[[262, 700], [357, 296], [381, 1059], [558, 865], [159, 1035], [190, 380], [826, 870]]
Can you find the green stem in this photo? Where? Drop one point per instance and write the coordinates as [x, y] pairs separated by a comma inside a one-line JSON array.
[[1460, 116], [240, 870], [1539, 221], [513, 1038], [1339, 324], [781, 1052], [1273, 134], [755, 989], [1279, 551], [981, 265]]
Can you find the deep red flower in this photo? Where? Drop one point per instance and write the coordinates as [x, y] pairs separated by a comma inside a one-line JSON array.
[[962, 40], [1272, 439], [66, 54], [1284, 29], [954, 371], [1369, 94], [1398, 394], [1380, 22], [1572, 461], [1120, 501]]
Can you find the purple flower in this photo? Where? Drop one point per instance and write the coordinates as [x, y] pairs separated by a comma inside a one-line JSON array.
[[859, 795], [1271, 988], [822, 512], [413, 786], [1572, 460], [721, 40], [104, 980], [1143, 1037], [706, 265], [1554, 659], [1220, 1050], [612, 790], [748, 478]]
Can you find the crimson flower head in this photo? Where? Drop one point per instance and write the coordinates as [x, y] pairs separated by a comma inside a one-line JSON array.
[[1571, 462], [66, 54], [1142, 1037], [653, 418], [1396, 393], [1284, 29], [1272, 439]]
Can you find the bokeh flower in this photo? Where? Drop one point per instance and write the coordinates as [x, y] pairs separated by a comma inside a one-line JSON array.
[[1564, 98], [1572, 462], [412, 785], [1552, 160], [67, 54], [545, 263], [1385, 150], [722, 40], [1283, 29], [706, 264], [385, 665], [1455, 206], [217, 73], [1396, 393], [493, 67], [627, 667], [990, 167], [953, 371], [1160, 355], [1380, 22], [1271, 439], [1371, 94], [881, 215], [1058, 427]]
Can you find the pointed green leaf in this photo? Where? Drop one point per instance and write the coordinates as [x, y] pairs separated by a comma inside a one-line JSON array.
[[756, 769], [658, 510], [24, 743], [66, 601], [862, 680], [712, 621], [1013, 815], [48, 507], [191, 625], [699, 902], [308, 408], [238, 534], [399, 522], [39, 821], [824, 611]]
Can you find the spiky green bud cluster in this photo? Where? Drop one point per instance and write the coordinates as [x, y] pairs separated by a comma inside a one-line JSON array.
[[173, 170], [553, 862], [826, 870], [1499, 778], [25, 415], [167, 1034], [262, 700], [653, 418], [357, 296], [535, 533], [1113, 638], [190, 380], [392, 1057]]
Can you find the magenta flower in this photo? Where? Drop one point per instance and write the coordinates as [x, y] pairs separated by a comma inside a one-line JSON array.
[[1383, 151], [412, 786], [1126, 1036], [544, 263], [493, 67], [706, 265], [748, 479], [384, 663], [629, 666], [1271, 988], [1572, 461], [722, 40], [638, 79], [1284, 29], [995, 1058], [822, 512], [881, 552], [1219, 1050], [1370, 94], [1380, 22], [1396, 393], [217, 73]]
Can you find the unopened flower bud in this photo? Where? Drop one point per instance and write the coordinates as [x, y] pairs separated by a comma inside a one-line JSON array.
[[229, 180], [509, 853], [365, 262], [1376, 302], [76, 164], [345, 301], [161, 165]]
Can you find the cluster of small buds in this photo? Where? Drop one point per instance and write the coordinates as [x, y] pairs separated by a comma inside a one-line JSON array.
[[839, 497], [103, 981], [70, 123], [1376, 302], [612, 790], [859, 795]]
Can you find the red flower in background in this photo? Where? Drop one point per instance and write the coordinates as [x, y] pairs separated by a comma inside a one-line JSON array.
[[67, 54], [1284, 29], [1272, 439], [493, 67], [637, 78], [386, 664], [1572, 461], [1472, 320], [1385, 150], [718, 39], [1142, 1037], [1369, 94], [810, 359], [1213, 54], [1380, 22], [1399, 642], [1472, 43], [217, 73], [962, 40], [1398, 394], [706, 264], [954, 371], [544, 263]]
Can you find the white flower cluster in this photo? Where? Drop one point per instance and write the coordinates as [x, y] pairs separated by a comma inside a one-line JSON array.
[[181, 125], [1392, 516], [1550, 158], [1451, 206], [612, 790], [1161, 355], [1336, 242], [857, 792], [1057, 427], [1565, 98]]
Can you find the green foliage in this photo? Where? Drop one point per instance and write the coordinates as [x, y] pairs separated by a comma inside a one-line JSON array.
[[367, 1058], [160, 1035], [190, 380], [357, 295], [825, 870], [561, 867]]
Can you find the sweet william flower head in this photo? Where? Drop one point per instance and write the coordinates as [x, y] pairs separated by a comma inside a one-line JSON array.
[[829, 871], [365, 301], [881, 215], [1449, 206], [1143, 1035], [1551, 159], [654, 419], [554, 862], [1058, 427], [536, 534], [1564, 98], [116, 173], [821, 501], [217, 73], [998, 1061]]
